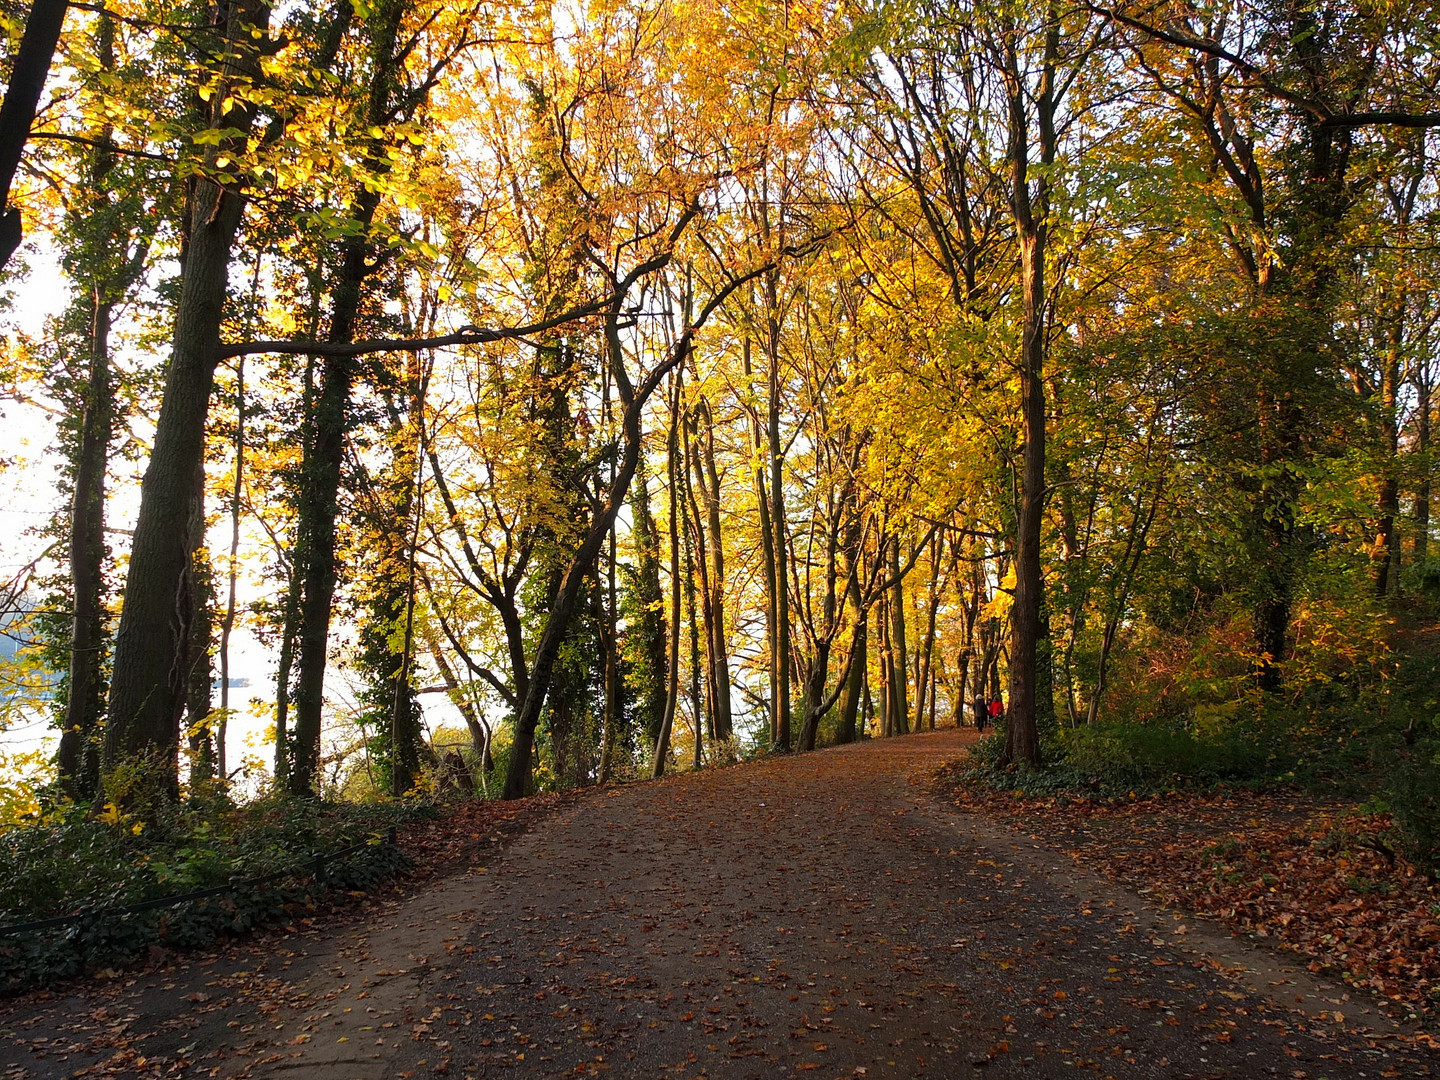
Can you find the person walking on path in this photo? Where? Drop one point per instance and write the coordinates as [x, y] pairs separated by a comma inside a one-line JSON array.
[[997, 710]]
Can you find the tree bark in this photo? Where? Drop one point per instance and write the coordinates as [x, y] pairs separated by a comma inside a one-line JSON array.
[[672, 669], [1386, 557], [198, 695], [107, 238], [696, 717], [651, 623], [816, 702], [320, 473], [718, 645], [404, 729], [885, 698], [232, 573], [924, 688], [17, 112], [151, 645], [767, 541], [606, 617], [478, 728], [1422, 451], [780, 651], [1030, 213], [78, 758], [698, 563], [898, 709], [851, 701]]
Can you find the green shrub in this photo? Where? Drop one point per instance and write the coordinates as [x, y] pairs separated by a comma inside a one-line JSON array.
[[1116, 758], [74, 864], [1411, 794]]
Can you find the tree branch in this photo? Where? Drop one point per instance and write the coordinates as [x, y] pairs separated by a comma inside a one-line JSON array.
[[466, 335], [1322, 112]]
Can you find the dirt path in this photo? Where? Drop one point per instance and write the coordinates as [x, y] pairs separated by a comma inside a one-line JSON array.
[[818, 916]]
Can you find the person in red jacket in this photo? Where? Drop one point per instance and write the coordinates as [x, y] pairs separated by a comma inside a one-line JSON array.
[[997, 710]]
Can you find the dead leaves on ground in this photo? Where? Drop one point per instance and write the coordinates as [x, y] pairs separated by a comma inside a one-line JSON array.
[[1317, 878], [469, 827]]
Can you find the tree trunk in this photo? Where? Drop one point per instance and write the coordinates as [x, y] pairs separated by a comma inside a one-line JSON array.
[[1385, 558], [151, 644], [767, 542], [851, 700], [477, 727], [718, 645], [95, 222], [315, 576], [606, 619], [564, 596], [318, 498], [1303, 294], [1422, 451], [227, 622], [887, 666], [924, 686], [780, 650], [568, 590], [17, 113], [650, 622], [1030, 213], [696, 719], [817, 702], [404, 719], [698, 561], [284, 667], [898, 708], [198, 695], [963, 682], [854, 684], [672, 686], [78, 759]]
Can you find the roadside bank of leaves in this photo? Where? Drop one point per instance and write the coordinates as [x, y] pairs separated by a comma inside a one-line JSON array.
[[464, 831], [1320, 878]]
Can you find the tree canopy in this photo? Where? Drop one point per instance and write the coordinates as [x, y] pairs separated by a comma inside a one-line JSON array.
[[560, 393]]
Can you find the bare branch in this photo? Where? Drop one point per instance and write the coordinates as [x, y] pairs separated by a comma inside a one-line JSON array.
[[466, 335]]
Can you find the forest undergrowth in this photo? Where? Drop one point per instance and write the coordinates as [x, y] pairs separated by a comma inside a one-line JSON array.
[[76, 864], [1313, 823]]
